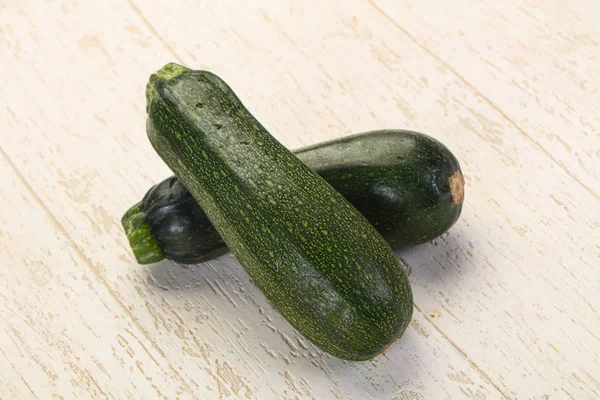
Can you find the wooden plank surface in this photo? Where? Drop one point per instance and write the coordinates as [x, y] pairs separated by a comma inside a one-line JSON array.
[[536, 64], [505, 303]]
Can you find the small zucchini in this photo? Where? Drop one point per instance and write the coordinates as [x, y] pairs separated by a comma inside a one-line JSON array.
[[407, 184]]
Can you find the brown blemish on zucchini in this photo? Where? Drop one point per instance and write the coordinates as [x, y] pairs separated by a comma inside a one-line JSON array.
[[457, 187]]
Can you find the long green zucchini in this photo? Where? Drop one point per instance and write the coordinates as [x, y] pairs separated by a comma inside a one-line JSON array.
[[318, 261], [407, 184]]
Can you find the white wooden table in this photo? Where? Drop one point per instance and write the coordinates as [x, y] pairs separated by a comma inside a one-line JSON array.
[[506, 304]]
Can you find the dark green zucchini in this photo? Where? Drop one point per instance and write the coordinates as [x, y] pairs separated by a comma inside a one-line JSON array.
[[407, 184], [318, 261]]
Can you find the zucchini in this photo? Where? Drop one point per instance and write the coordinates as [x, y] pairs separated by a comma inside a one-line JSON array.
[[407, 184], [317, 260]]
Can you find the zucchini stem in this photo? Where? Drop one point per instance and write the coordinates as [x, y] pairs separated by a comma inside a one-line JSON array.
[[143, 243], [457, 187], [166, 73]]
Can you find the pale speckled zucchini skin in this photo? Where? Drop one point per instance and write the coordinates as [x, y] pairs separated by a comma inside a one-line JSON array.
[[318, 261]]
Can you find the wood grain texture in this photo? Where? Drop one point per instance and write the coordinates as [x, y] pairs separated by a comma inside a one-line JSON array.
[[505, 303], [535, 63]]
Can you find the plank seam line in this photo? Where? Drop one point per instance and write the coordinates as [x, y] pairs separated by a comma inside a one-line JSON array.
[[486, 99], [154, 31], [59, 227]]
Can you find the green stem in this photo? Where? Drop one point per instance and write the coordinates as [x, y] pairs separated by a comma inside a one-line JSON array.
[[166, 73], [143, 243]]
